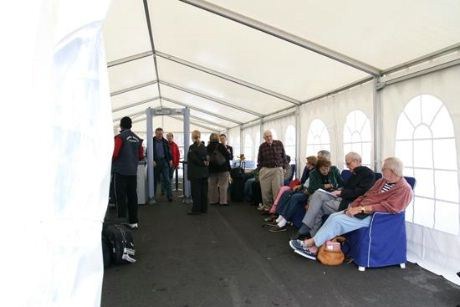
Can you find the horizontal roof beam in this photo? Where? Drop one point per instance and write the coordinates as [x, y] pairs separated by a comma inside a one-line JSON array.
[[227, 77], [135, 104], [214, 99], [131, 115], [296, 40], [207, 122], [132, 88], [202, 110], [180, 119], [129, 59]]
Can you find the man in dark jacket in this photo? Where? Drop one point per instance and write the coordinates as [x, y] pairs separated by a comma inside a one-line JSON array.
[[198, 173], [162, 162], [322, 203], [223, 141], [126, 155]]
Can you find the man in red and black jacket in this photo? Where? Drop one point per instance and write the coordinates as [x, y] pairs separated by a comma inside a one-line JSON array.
[[126, 156], [175, 153]]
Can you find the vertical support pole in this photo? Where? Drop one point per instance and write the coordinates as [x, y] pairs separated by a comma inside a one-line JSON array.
[[242, 142], [298, 158], [187, 194], [377, 125], [150, 158]]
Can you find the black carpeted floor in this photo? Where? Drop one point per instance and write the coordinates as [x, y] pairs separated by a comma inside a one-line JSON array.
[[225, 258]]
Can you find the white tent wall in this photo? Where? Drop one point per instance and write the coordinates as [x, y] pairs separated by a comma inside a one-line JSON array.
[[251, 150], [57, 188], [333, 110], [433, 249], [233, 139]]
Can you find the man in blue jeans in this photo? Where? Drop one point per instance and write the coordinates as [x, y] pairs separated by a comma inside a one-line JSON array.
[[162, 162]]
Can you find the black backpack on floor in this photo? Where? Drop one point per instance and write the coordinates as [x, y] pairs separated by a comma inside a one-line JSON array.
[[117, 244]]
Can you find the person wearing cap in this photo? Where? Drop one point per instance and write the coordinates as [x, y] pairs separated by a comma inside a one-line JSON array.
[[127, 153]]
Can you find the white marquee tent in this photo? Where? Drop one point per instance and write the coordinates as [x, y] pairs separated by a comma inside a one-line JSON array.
[[380, 78]]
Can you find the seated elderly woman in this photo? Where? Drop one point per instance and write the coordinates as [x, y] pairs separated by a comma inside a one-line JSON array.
[[325, 177], [390, 194]]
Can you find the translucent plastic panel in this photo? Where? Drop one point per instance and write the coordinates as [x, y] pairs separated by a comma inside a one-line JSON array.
[[134, 96], [424, 212], [248, 147], [217, 87], [125, 30], [442, 125], [445, 154], [405, 129], [422, 132], [430, 108], [131, 73], [409, 171], [413, 110], [425, 182], [234, 49], [447, 216], [423, 156], [403, 150], [317, 133], [205, 104], [366, 153], [290, 151], [431, 25], [446, 185]]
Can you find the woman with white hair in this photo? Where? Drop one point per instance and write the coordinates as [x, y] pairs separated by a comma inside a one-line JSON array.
[[390, 194]]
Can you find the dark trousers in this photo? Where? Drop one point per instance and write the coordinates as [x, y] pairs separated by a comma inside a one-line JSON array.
[[126, 196], [199, 191], [161, 173]]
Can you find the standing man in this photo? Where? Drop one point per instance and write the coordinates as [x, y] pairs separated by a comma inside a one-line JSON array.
[[126, 155], [162, 162], [223, 141], [270, 161], [175, 153]]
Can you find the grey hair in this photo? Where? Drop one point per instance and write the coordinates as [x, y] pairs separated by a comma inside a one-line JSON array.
[[395, 165], [354, 156], [324, 154]]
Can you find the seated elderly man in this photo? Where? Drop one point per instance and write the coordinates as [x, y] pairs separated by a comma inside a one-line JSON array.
[[321, 203], [390, 194]]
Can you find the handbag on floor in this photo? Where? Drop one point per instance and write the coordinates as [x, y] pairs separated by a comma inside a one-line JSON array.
[[330, 253]]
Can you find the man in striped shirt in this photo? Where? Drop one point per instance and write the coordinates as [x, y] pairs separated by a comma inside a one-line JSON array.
[[270, 161]]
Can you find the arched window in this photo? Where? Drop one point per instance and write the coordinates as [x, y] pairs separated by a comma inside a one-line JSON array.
[[318, 138], [425, 142], [357, 136], [289, 142], [248, 147]]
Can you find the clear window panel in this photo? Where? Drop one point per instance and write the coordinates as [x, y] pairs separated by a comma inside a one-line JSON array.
[[425, 183], [366, 132], [409, 171], [347, 134], [413, 110], [424, 212], [445, 154], [430, 106], [446, 217], [423, 153], [442, 125], [403, 151], [356, 137], [446, 185], [404, 129], [422, 132]]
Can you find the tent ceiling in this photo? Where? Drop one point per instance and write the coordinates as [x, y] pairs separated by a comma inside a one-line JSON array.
[[230, 73]]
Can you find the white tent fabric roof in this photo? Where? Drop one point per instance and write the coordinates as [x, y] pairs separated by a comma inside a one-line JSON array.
[[201, 59]]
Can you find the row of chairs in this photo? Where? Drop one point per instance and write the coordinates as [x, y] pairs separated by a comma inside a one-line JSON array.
[[383, 243]]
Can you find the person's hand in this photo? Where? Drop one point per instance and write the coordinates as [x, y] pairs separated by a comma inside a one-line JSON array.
[[154, 163], [352, 211], [336, 193], [206, 162], [170, 163], [328, 186]]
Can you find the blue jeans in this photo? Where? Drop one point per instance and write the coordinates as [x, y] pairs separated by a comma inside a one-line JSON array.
[[297, 202], [339, 223], [161, 172]]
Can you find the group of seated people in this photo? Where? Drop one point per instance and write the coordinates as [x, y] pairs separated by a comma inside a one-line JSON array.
[[322, 205]]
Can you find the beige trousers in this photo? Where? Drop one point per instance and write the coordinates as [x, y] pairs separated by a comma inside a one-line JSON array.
[[218, 187], [271, 179]]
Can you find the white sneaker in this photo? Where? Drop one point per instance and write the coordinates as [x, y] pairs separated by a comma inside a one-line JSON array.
[[260, 207], [133, 226]]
